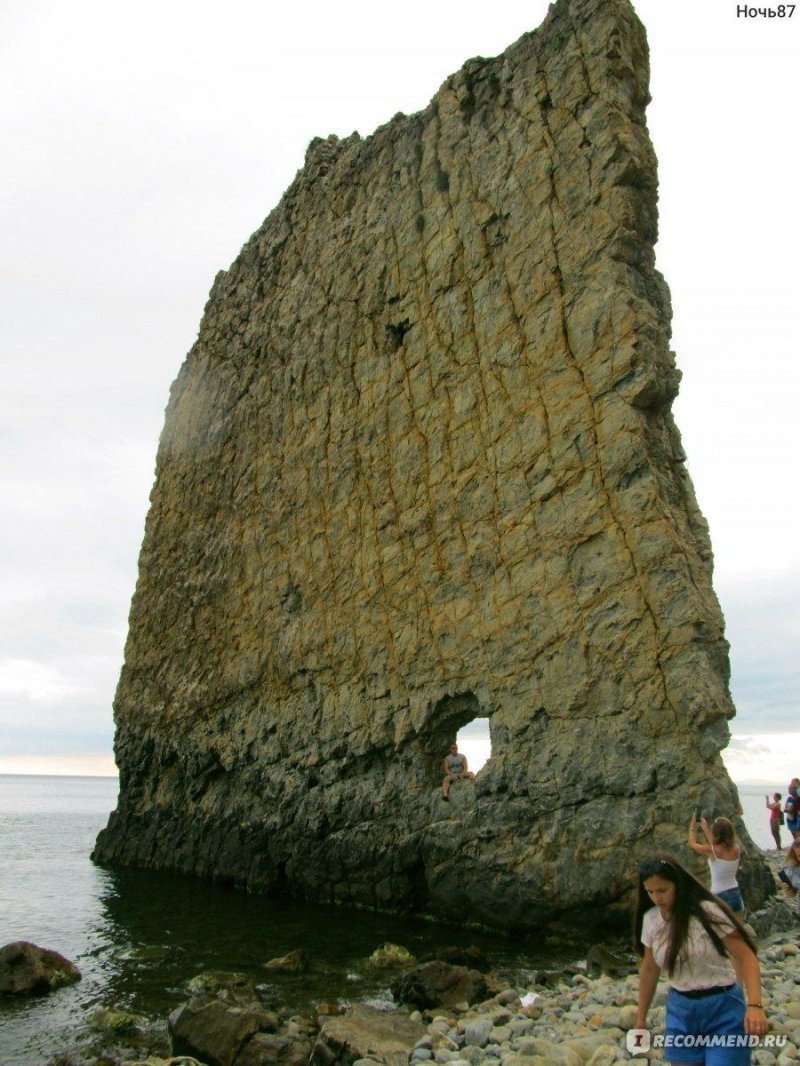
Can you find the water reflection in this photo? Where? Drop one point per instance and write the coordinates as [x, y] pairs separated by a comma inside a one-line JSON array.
[[166, 928]]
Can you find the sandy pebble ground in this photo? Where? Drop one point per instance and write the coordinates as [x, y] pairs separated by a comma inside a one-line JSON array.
[[584, 1022]]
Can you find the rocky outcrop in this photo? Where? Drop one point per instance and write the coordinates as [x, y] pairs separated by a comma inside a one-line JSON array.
[[27, 968], [419, 467]]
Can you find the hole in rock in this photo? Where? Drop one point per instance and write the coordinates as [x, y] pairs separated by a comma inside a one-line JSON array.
[[457, 717], [474, 741]]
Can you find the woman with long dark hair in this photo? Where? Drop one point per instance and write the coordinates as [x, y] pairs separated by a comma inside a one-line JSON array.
[[697, 941]]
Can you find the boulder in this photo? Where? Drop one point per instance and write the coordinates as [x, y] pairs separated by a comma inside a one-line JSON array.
[[295, 962], [223, 985], [438, 984], [24, 967], [366, 1033], [470, 956], [180, 1060], [601, 960], [389, 956], [777, 916], [554, 978], [280, 1048], [214, 1031], [110, 1019]]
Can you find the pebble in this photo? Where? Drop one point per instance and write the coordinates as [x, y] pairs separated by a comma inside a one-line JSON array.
[[584, 1023]]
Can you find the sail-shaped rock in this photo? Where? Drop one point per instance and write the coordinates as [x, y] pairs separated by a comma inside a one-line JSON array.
[[420, 467]]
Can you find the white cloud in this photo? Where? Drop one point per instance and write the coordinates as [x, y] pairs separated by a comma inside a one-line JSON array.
[[763, 758], [38, 682]]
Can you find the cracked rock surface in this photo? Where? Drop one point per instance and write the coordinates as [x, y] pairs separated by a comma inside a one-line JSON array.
[[420, 466]]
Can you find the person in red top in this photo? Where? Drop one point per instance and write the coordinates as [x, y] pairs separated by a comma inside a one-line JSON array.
[[774, 808]]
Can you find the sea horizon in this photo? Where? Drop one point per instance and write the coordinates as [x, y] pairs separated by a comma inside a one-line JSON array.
[[751, 791]]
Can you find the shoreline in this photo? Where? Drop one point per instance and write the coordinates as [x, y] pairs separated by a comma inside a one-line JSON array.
[[556, 1018]]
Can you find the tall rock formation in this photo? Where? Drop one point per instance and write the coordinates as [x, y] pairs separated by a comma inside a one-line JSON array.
[[420, 467]]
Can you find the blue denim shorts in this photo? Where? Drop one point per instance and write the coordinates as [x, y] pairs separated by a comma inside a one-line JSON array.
[[733, 897], [721, 1014]]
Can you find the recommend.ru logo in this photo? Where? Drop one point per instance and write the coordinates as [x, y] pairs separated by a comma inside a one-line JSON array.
[[637, 1041]]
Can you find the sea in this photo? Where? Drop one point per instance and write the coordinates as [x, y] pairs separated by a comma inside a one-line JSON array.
[[139, 937]]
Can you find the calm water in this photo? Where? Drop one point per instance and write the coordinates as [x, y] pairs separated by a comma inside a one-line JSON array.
[[138, 937]]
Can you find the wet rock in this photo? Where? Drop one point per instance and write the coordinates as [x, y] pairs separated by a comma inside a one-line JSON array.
[[224, 984], [383, 1036], [295, 962], [389, 956], [110, 1019], [332, 1008], [215, 1031], [471, 957], [25, 967], [603, 960], [180, 1060], [437, 984], [280, 1048], [554, 978]]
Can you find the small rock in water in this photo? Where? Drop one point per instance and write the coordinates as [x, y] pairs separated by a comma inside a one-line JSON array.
[[219, 982], [117, 1021], [389, 955], [330, 1009], [295, 962], [25, 967]]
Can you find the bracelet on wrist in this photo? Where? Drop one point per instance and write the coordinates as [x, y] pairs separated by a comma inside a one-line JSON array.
[[757, 1005]]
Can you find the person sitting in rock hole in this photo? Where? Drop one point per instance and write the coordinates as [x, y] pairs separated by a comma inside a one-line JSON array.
[[455, 769]]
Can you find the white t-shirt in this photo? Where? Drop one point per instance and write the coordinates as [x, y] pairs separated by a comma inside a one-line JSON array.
[[699, 965]]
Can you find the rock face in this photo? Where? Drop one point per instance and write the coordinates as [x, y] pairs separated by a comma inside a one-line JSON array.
[[419, 467]]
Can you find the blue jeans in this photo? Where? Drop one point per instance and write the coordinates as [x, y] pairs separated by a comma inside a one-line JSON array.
[[721, 1014], [733, 897]]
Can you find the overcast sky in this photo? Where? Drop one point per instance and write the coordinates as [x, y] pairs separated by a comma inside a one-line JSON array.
[[143, 143]]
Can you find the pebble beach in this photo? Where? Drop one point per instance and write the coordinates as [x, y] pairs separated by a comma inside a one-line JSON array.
[[583, 1022]]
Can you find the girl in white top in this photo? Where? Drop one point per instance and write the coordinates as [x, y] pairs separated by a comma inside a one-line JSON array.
[[724, 856], [683, 931]]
